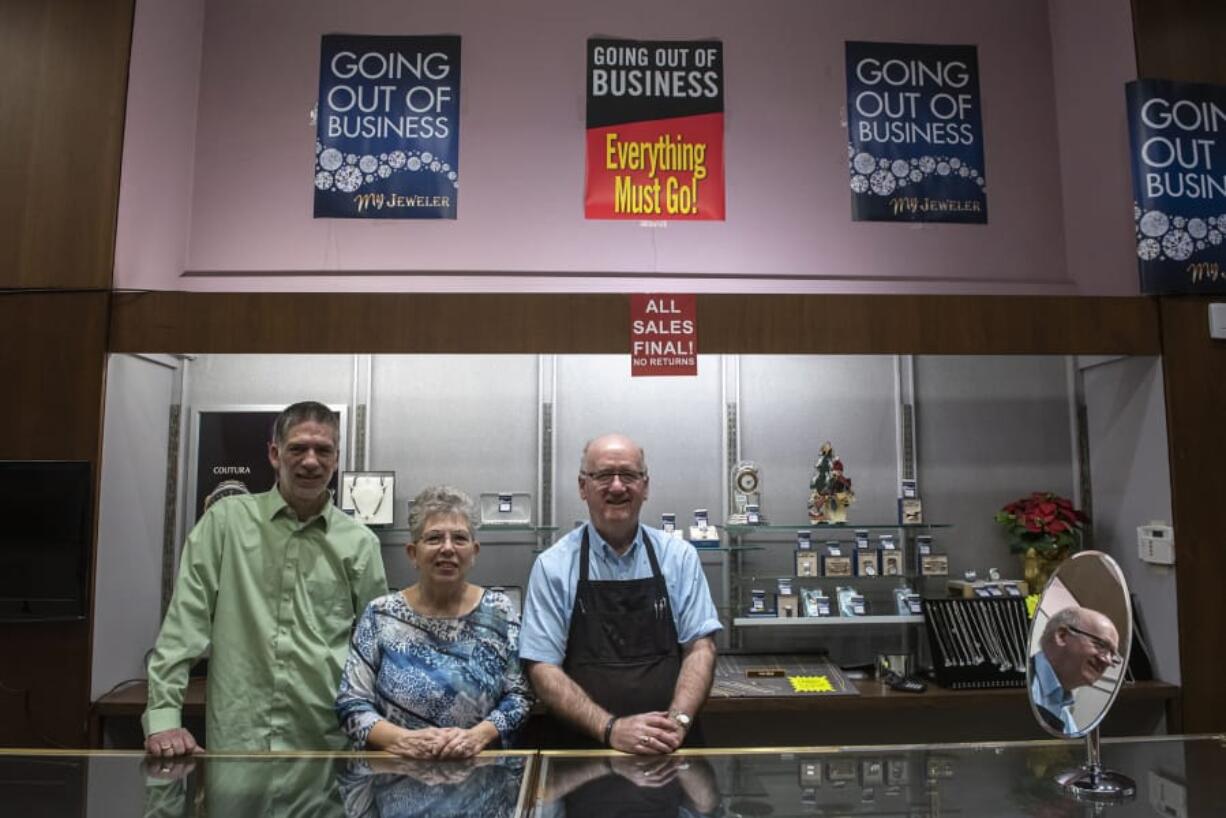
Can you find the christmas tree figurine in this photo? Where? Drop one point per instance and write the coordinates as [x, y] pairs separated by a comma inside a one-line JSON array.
[[829, 489]]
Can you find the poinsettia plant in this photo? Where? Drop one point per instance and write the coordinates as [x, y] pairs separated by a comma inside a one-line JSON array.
[[1043, 521]]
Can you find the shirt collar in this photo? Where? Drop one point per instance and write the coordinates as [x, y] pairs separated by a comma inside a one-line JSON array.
[[607, 551], [274, 506], [1053, 692]]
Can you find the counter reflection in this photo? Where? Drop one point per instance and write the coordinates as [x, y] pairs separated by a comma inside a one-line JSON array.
[[927, 782], [333, 787], [1174, 776], [610, 785]]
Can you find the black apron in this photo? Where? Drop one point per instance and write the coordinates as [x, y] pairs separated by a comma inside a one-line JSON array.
[[614, 797], [622, 645]]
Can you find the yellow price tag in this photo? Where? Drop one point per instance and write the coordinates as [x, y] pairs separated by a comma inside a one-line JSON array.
[[811, 684], [1032, 602]]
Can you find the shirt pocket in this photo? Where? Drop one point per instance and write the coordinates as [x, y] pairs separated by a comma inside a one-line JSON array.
[[329, 602]]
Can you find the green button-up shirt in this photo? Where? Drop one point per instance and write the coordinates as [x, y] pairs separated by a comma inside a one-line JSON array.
[[275, 598]]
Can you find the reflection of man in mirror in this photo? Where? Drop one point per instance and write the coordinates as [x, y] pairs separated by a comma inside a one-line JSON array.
[[1078, 646]]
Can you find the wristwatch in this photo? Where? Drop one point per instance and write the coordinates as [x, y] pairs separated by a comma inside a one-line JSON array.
[[683, 719]]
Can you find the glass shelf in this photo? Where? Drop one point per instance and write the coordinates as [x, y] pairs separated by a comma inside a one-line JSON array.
[[771, 579], [533, 528], [482, 529], [486, 527], [823, 621], [742, 530]]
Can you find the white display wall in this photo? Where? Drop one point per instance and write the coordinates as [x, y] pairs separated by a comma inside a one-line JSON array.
[[987, 429]]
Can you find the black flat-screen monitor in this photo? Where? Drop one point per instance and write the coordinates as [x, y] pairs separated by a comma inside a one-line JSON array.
[[46, 533]]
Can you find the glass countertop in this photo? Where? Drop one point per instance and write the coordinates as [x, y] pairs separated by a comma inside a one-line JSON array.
[[1173, 775], [914, 781]]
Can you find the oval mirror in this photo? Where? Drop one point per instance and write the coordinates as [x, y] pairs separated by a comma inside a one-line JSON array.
[[1079, 643]]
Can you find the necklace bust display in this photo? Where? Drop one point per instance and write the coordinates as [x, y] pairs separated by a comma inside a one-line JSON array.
[[369, 496]]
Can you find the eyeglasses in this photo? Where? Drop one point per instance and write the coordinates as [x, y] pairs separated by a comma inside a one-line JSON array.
[[434, 539], [605, 478], [1100, 644]]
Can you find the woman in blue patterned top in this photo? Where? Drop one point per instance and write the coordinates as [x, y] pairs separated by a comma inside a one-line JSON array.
[[433, 671]]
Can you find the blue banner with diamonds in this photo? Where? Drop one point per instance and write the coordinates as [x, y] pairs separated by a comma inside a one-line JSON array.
[[387, 140], [915, 134], [1178, 185]]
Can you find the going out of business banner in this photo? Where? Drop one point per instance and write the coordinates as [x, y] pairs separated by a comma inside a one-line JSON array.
[[915, 150], [1179, 185], [655, 130], [388, 127]]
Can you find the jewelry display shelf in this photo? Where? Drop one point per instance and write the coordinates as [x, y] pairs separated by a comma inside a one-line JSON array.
[[741, 536], [824, 621], [729, 549], [536, 537], [880, 715], [832, 528], [487, 529]]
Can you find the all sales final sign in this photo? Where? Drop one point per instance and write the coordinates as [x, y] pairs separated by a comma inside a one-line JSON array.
[[663, 335]]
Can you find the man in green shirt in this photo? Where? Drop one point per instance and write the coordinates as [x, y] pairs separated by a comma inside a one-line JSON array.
[[272, 583]]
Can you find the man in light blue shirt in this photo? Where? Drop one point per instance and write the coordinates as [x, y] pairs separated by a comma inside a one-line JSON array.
[[1078, 646], [618, 620], [1054, 703]]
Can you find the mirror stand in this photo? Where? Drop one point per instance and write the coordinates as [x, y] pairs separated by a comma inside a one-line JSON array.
[[1093, 783]]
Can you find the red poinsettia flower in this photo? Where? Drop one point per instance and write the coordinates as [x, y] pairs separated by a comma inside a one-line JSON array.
[[1043, 521]]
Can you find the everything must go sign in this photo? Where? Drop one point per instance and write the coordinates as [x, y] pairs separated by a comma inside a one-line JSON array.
[[655, 130]]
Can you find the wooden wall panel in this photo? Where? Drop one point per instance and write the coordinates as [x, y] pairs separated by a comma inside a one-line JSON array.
[[52, 368], [1182, 40], [391, 323], [63, 80], [926, 324], [366, 322], [1195, 372], [54, 348]]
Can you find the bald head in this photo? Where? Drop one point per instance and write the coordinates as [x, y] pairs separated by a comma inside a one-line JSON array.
[[594, 448], [1081, 644]]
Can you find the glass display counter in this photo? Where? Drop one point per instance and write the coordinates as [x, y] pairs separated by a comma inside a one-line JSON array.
[[1175, 776]]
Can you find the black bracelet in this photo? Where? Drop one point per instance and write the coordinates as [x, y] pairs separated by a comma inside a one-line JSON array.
[[608, 730]]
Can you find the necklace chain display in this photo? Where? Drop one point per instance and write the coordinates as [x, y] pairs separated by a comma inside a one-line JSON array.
[[365, 486]]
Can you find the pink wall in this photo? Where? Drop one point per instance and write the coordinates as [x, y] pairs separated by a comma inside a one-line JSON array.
[[159, 144], [521, 156], [1093, 56]]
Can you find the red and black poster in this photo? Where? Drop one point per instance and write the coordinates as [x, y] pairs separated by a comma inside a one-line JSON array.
[[655, 130]]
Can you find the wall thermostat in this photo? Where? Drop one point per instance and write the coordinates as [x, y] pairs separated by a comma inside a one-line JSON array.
[[1217, 321], [1156, 543]]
